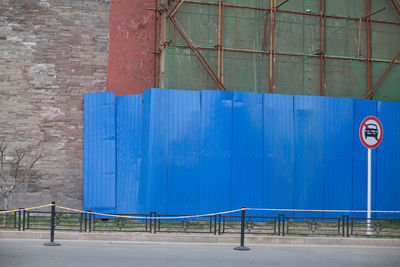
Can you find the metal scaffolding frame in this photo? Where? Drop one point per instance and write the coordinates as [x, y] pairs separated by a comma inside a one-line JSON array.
[[166, 11]]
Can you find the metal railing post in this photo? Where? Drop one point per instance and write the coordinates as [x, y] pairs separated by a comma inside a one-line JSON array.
[[19, 220], [219, 224], [27, 220], [215, 224], [94, 222], [242, 225], [80, 222], [23, 220], [351, 226], [52, 226], [344, 221], [159, 225], [85, 224], [90, 221], [279, 224], [152, 221]]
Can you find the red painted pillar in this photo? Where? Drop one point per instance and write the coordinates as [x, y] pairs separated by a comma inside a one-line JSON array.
[[132, 33]]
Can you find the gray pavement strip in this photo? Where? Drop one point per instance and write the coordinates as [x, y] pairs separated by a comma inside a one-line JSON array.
[[21, 253], [200, 238]]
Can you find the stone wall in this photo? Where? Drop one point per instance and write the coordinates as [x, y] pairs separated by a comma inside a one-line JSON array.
[[51, 53]]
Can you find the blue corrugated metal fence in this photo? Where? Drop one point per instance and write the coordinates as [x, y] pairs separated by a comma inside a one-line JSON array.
[[187, 152], [99, 158]]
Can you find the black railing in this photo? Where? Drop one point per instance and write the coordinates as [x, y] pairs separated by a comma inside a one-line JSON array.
[[218, 224], [10, 220], [65, 221], [374, 227], [119, 224], [252, 224], [206, 224], [37, 220], [313, 226]]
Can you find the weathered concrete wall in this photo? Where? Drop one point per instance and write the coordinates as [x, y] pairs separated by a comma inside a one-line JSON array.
[[131, 61], [51, 53]]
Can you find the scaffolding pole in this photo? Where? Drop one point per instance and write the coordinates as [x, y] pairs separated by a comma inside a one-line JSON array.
[[271, 49]]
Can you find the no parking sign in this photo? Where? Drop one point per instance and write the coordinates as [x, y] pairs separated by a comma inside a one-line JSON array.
[[371, 133]]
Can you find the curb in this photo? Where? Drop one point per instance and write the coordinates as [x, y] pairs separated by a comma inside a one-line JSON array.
[[201, 238]]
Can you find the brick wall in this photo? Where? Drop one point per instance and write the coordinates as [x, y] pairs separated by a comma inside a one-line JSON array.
[[131, 65], [51, 53]]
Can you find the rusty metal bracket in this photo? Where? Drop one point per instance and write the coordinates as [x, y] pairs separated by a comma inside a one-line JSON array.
[[383, 76], [193, 47]]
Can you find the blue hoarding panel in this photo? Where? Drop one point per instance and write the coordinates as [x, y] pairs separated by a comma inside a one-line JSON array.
[[388, 160], [99, 159], [153, 194], [247, 149], [129, 151], [337, 153], [309, 116], [362, 109], [323, 139], [278, 153], [183, 151], [215, 157]]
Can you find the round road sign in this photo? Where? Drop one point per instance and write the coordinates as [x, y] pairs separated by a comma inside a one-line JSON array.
[[371, 132]]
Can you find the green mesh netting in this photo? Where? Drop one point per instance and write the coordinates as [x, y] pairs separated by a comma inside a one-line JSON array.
[[297, 34]]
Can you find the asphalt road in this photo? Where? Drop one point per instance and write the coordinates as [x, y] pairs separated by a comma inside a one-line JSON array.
[[88, 253]]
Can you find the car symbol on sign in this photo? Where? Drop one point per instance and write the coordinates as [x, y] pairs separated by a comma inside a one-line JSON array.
[[371, 130]]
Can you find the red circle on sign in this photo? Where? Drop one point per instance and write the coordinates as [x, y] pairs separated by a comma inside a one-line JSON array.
[[371, 132]]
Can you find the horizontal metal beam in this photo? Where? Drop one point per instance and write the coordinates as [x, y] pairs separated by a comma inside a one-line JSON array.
[[284, 53], [290, 12]]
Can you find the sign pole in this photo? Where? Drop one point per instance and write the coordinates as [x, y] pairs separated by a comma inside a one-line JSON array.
[[369, 194]]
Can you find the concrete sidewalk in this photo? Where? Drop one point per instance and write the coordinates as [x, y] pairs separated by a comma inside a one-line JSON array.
[[199, 238]]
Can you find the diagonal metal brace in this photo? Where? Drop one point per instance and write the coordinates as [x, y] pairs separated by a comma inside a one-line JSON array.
[[373, 13], [194, 49], [396, 6], [383, 76], [176, 7]]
